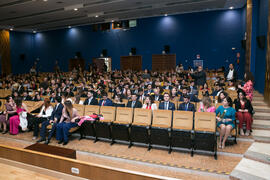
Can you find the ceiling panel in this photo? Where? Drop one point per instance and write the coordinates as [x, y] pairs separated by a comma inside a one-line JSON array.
[[26, 15]]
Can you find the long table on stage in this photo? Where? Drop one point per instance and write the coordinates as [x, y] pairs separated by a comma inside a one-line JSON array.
[[54, 150]]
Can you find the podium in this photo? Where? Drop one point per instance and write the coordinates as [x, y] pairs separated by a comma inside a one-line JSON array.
[[163, 62]]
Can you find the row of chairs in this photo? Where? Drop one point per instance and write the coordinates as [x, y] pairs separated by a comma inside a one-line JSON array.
[[173, 130]]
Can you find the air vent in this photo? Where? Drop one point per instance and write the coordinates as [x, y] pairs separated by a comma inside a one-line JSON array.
[[183, 2]]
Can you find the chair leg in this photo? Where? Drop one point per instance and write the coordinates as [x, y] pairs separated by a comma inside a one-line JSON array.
[[96, 140], [149, 147], [112, 142], [130, 144], [170, 150], [192, 152], [215, 155]]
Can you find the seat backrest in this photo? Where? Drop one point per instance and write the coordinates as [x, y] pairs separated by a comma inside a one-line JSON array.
[[33, 105], [90, 109], [125, 101], [108, 113], [183, 120], [142, 116], [205, 121], [124, 115], [80, 109], [162, 118], [2, 107]]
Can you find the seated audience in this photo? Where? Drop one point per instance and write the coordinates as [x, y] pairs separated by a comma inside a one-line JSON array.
[[244, 112], [157, 96], [105, 101], [90, 100], [186, 105], [148, 103], [45, 113], [166, 105], [53, 120], [10, 110], [67, 121], [225, 120], [134, 103], [117, 101], [221, 96], [14, 121], [206, 105]]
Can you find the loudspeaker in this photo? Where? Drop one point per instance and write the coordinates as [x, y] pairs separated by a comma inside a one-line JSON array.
[[105, 26], [78, 54], [243, 43], [133, 51], [95, 27], [167, 49], [22, 57], [261, 41], [105, 52]]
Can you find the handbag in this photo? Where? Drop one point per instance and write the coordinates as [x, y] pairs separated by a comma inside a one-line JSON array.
[[23, 120]]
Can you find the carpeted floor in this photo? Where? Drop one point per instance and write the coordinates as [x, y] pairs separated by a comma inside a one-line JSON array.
[[224, 165]]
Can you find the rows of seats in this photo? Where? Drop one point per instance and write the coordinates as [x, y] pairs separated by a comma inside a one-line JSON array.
[[173, 130]]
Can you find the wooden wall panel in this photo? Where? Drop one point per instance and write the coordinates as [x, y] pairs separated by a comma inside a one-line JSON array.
[[5, 52], [131, 63], [248, 35], [163, 62], [64, 165], [267, 72]]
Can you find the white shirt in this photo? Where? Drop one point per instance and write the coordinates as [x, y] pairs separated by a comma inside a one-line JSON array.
[[48, 111], [153, 106], [230, 74]]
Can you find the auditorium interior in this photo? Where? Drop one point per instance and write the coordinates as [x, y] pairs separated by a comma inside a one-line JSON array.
[[135, 89]]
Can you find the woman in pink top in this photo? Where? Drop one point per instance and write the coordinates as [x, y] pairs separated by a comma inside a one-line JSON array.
[[206, 105], [248, 87], [14, 121]]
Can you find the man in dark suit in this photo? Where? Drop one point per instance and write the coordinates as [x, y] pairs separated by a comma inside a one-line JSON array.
[[90, 99], [185, 92], [53, 120], [134, 103], [52, 97], [199, 76], [157, 96], [26, 97], [166, 105], [231, 74], [149, 90], [105, 101], [186, 105]]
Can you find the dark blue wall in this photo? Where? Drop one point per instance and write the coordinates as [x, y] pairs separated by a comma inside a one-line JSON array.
[[211, 34], [261, 53]]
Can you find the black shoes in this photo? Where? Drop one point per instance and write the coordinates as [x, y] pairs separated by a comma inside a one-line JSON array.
[[65, 143], [60, 142], [40, 140], [47, 141]]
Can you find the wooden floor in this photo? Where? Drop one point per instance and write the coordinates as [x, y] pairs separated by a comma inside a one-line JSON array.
[[11, 172]]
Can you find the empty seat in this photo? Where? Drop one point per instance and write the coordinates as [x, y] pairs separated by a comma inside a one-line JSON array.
[[181, 129], [205, 132], [33, 105], [161, 125], [120, 127], [103, 127], [139, 131]]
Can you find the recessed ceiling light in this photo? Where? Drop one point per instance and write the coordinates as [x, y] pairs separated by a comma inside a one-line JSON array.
[[34, 31], [112, 20], [165, 14], [231, 7], [96, 16], [11, 29], [45, 0], [75, 9], [69, 26]]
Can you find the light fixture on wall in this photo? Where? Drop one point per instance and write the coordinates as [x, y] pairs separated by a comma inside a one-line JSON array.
[[75, 9], [165, 14], [11, 29], [231, 7]]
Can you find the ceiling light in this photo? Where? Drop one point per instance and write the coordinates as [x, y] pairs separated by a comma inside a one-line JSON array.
[[11, 29], [34, 31], [69, 26], [165, 14], [45, 0], [96, 16], [75, 7], [112, 20], [231, 7]]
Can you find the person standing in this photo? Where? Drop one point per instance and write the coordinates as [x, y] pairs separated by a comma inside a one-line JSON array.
[[199, 76]]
